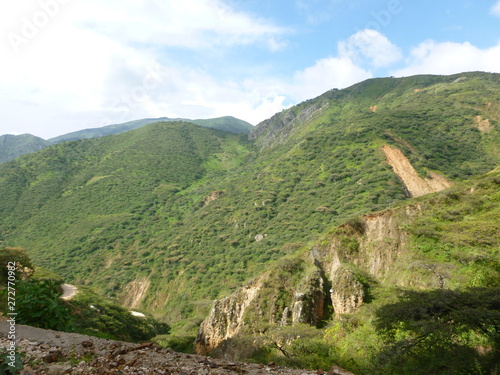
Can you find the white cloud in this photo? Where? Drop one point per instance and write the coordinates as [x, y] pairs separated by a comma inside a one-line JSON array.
[[326, 74], [97, 63], [187, 23], [91, 63], [495, 9], [431, 57], [371, 47]]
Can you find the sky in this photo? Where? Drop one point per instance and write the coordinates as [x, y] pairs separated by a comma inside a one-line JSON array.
[[67, 65]]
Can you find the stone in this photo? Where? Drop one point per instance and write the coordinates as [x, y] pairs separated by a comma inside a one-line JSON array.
[[52, 357], [336, 370], [27, 371], [87, 344], [58, 369]]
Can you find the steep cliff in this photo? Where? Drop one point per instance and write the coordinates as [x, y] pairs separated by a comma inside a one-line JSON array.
[[382, 291], [226, 318], [279, 127], [332, 278]]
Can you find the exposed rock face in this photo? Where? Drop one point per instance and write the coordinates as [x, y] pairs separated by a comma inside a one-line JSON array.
[[214, 195], [309, 302], [347, 293], [280, 126], [416, 185], [225, 319], [135, 291], [370, 245]]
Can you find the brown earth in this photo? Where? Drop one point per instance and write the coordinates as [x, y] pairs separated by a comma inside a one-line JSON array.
[[415, 184], [213, 196], [484, 126]]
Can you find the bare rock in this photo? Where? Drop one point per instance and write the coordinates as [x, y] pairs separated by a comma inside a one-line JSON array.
[[27, 371], [52, 357], [336, 370], [87, 344], [59, 369]]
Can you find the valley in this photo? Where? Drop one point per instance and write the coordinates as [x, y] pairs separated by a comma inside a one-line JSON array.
[[319, 224]]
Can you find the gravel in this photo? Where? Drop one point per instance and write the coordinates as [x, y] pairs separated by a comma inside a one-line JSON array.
[[56, 353]]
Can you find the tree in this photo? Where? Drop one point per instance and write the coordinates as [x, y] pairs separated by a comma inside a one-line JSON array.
[[20, 259], [442, 330]]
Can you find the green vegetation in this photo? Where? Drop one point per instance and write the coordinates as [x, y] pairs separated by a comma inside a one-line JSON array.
[[18, 261], [126, 211], [38, 303], [97, 316], [13, 146], [456, 331], [6, 362], [227, 123], [450, 326]]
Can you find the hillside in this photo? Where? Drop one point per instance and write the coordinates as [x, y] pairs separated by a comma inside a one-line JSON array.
[[171, 216], [13, 146], [397, 291], [227, 123]]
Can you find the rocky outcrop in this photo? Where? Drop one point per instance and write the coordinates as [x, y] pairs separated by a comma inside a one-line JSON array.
[[334, 277], [279, 127], [347, 293], [225, 319], [134, 292], [309, 302], [415, 184]]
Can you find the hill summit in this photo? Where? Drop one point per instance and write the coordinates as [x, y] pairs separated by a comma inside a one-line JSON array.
[[12, 146], [172, 216]]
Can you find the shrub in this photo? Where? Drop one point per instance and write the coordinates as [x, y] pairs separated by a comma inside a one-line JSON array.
[[38, 304]]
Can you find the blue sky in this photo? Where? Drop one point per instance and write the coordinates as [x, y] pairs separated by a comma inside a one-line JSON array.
[[73, 64]]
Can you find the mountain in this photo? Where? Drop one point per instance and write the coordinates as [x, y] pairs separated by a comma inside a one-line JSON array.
[[227, 123], [105, 130], [396, 291], [12, 146], [172, 216]]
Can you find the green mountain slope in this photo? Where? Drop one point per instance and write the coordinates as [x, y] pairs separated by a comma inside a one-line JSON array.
[[227, 123], [170, 216], [398, 291], [12, 146]]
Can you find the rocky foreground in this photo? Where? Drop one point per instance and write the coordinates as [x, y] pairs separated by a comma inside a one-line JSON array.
[[56, 353]]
